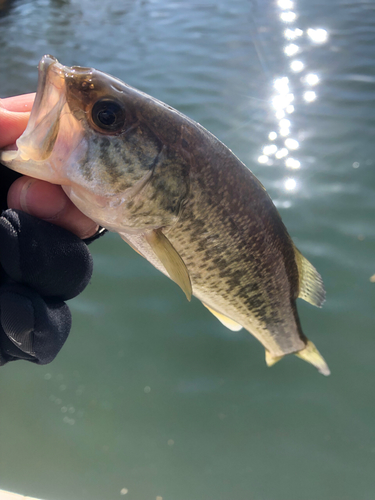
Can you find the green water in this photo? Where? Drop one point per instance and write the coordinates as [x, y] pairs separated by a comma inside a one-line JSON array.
[[151, 397]]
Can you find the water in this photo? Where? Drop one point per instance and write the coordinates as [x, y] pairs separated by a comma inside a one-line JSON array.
[[152, 398]]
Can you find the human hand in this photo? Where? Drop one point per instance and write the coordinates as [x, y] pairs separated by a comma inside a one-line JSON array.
[[35, 197], [42, 265]]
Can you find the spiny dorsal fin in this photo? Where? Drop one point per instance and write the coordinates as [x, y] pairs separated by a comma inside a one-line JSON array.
[[170, 259], [311, 286], [229, 323]]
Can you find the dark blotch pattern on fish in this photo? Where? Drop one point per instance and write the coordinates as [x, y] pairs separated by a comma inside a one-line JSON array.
[[120, 161], [237, 249]]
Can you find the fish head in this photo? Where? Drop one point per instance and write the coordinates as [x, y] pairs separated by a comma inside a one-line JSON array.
[[94, 135]]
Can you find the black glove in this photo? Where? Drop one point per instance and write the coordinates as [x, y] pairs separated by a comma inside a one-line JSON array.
[[41, 266]]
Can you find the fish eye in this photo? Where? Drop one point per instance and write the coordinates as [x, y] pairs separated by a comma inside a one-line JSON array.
[[108, 114]]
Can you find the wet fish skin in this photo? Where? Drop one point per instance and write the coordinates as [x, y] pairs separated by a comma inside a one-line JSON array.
[[238, 252], [164, 172]]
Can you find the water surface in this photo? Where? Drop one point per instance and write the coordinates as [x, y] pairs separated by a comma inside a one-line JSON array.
[[152, 398]]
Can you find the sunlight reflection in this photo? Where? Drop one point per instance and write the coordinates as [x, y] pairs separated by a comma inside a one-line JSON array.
[[309, 96], [284, 132], [263, 159], [288, 93], [285, 4], [291, 49], [297, 66], [282, 85], [311, 79], [284, 123], [290, 184], [282, 101], [318, 35], [292, 34], [272, 136], [270, 149], [288, 17], [291, 143], [281, 153], [292, 163]]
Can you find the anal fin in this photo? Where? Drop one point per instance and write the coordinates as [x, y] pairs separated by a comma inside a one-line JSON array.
[[229, 323], [271, 359], [170, 259], [311, 286]]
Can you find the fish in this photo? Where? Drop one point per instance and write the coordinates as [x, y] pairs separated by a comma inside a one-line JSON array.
[[177, 195]]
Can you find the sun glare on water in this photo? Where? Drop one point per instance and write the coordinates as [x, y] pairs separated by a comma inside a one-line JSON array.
[[290, 93]]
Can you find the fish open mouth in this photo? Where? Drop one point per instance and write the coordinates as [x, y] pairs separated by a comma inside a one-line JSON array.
[[37, 141]]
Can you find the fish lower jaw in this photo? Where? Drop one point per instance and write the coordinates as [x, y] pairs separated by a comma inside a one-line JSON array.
[[14, 154], [20, 161], [8, 155]]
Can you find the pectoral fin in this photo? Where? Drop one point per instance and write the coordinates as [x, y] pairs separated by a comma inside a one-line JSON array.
[[131, 245], [311, 286], [229, 323], [170, 259]]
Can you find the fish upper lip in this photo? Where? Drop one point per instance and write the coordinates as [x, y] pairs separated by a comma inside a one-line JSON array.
[[49, 100], [47, 65], [46, 61]]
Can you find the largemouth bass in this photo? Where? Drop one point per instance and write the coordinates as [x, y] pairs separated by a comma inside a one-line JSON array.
[[177, 195]]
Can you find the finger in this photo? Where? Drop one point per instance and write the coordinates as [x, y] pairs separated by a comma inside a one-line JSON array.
[[12, 125], [18, 103], [49, 202], [14, 115]]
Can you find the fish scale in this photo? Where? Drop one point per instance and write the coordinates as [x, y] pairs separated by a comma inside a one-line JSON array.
[[257, 301]]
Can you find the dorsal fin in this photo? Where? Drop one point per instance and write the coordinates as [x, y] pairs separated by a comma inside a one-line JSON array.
[[170, 259], [311, 286], [229, 323]]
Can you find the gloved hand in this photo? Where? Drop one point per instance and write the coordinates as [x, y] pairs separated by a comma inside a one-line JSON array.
[[42, 265]]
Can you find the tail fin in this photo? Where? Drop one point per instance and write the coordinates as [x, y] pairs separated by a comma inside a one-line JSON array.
[[310, 354]]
